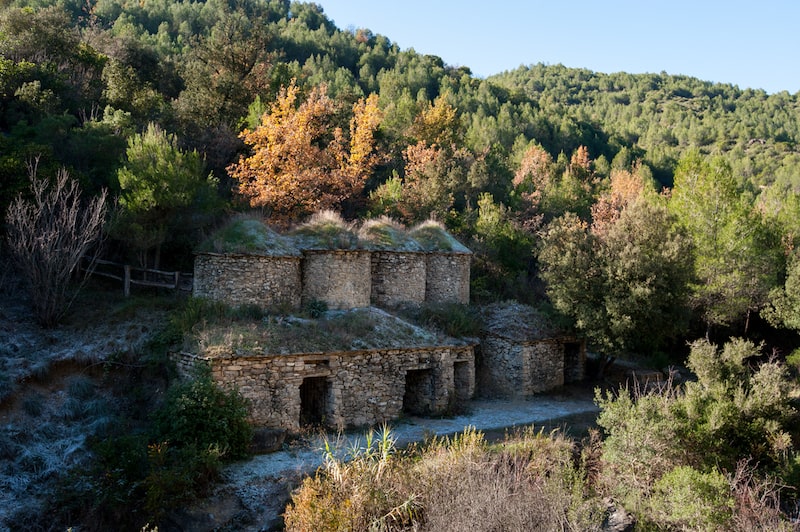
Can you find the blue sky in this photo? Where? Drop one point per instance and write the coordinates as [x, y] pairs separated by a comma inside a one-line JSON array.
[[749, 44]]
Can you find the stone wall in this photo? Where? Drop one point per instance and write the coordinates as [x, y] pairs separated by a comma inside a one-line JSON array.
[[341, 278], [350, 389], [513, 368], [447, 277], [398, 277], [248, 279]]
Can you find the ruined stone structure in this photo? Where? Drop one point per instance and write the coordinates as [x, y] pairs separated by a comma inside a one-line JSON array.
[[279, 270], [447, 277], [398, 277], [340, 277], [238, 279], [344, 389], [520, 355]]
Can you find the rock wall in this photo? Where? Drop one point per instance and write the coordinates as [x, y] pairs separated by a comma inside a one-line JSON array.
[[513, 368], [398, 277], [248, 279], [447, 277], [349, 389], [341, 278]]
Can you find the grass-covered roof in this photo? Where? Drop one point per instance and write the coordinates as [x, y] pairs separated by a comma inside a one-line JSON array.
[[325, 230], [251, 236], [432, 236], [386, 234]]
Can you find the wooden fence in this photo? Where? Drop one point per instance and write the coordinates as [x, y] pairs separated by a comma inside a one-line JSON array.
[[130, 275]]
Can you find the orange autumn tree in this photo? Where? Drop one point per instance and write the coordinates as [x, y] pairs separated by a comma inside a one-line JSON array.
[[300, 162]]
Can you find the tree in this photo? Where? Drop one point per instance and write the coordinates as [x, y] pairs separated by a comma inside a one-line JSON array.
[[735, 261], [625, 289], [300, 162], [160, 185], [49, 235]]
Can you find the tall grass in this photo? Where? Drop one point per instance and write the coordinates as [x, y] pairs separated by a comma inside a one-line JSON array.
[[530, 482]]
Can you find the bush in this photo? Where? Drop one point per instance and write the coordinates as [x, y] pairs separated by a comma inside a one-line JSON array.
[[686, 498], [460, 483], [199, 414]]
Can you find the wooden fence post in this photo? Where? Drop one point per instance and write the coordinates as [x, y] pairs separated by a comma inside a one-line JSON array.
[[127, 288]]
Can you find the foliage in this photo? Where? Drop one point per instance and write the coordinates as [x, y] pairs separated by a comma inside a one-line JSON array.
[[48, 237], [442, 485], [625, 289], [666, 450], [686, 498], [301, 162], [735, 259], [199, 414], [164, 190]]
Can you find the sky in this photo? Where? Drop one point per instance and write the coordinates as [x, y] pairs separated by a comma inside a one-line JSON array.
[[752, 44]]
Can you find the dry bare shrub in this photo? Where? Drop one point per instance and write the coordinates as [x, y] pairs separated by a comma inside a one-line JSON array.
[[757, 501], [48, 236], [456, 483], [530, 483]]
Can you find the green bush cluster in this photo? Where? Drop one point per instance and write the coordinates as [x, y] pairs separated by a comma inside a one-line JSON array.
[[139, 474], [672, 456]]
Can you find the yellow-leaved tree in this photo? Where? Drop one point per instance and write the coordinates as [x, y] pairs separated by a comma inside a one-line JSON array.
[[300, 162]]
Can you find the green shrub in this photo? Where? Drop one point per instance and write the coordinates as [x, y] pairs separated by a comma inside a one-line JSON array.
[[686, 498], [199, 414], [454, 319], [315, 308]]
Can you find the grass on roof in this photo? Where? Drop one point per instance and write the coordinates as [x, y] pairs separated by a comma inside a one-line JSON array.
[[248, 235], [386, 234], [325, 230], [432, 236]]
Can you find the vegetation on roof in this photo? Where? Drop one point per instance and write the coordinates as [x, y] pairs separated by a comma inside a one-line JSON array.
[[385, 233], [518, 322], [248, 235], [325, 230], [432, 236]]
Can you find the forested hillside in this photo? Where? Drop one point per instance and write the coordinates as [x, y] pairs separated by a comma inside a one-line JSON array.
[[185, 111], [638, 211]]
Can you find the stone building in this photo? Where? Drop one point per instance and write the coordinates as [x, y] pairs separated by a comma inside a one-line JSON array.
[[398, 263], [247, 263], [447, 264], [344, 389], [339, 277], [521, 354]]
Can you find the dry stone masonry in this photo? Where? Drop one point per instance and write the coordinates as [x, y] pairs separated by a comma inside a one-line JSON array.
[[351, 273], [521, 355], [238, 279], [344, 389]]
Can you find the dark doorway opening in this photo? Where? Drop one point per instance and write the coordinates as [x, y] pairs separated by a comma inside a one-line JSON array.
[[314, 393], [572, 362], [418, 397], [461, 380]]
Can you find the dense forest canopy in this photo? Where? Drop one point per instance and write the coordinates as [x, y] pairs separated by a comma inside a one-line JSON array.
[[193, 96]]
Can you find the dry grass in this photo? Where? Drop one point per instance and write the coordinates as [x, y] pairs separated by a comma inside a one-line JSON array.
[[325, 230], [432, 236], [334, 331], [247, 234], [385, 233], [529, 482]]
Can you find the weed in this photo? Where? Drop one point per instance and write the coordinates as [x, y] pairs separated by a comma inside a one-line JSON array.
[[80, 387], [33, 404], [315, 308]]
